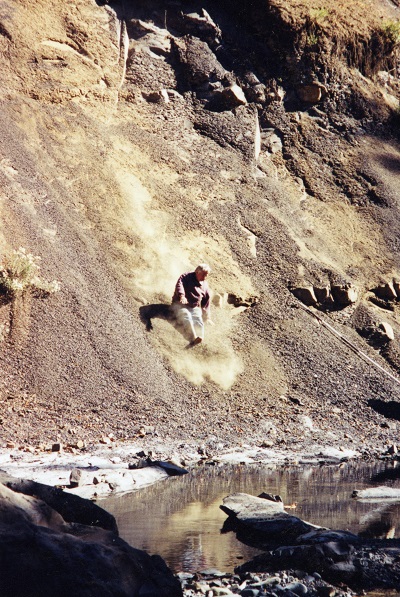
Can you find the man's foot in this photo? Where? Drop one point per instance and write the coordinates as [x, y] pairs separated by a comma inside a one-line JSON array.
[[197, 340]]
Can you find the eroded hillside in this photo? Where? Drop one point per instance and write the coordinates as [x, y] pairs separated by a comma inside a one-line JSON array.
[[141, 138]]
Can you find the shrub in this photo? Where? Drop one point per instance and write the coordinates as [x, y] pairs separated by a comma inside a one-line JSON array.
[[391, 30], [19, 271], [312, 39]]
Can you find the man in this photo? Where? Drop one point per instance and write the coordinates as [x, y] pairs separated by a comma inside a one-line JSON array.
[[191, 301]]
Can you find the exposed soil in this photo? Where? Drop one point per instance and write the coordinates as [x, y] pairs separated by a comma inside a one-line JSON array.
[[119, 188]]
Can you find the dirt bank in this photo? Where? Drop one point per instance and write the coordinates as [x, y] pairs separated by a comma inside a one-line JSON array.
[[139, 140]]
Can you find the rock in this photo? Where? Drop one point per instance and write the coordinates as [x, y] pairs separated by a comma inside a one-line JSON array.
[[295, 400], [44, 555], [387, 330], [323, 294], [377, 493], [157, 97], [56, 447], [249, 592], [266, 443], [273, 143], [385, 291], [258, 522], [141, 463], [150, 37], [199, 63], [305, 294], [220, 300], [201, 586], [202, 24], [75, 477], [71, 507], [221, 591], [170, 468], [306, 422], [396, 286], [233, 96], [147, 429], [326, 591], [344, 294], [238, 301], [270, 497], [256, 93], [311, 93], [327, 536]]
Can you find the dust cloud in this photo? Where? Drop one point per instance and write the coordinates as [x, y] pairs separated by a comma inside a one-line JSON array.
[[157, 260]]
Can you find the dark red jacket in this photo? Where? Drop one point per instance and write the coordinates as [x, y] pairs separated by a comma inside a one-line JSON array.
[[197, 293]]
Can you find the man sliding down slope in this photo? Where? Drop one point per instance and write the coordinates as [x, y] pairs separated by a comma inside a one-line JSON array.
[[191, 301]]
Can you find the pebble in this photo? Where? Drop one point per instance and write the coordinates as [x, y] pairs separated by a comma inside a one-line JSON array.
[[297, 587]]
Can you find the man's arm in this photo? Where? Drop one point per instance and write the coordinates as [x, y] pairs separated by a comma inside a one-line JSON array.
[[180, 294], [206, 304]]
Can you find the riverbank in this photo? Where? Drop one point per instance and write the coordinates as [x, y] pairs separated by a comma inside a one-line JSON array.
[[106, 471], [118, 467]]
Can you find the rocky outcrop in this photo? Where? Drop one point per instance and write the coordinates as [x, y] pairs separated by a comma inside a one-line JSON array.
[[331, 296], [43, 554]]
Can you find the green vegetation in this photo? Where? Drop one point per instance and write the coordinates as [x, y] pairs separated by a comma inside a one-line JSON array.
[[312, 39], [19, 271], [391, 30], [318, 14]]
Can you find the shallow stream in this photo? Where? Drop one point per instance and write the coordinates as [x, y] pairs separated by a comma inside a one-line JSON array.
[[180, 518]]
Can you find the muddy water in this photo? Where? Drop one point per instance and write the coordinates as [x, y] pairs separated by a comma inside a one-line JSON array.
[[180, 518]]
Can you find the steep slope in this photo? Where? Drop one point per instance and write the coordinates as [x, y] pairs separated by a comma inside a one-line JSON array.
[[139, 139]]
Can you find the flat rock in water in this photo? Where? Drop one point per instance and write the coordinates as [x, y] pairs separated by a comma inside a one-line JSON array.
[[247, 507], [374, 493], [260, 522]]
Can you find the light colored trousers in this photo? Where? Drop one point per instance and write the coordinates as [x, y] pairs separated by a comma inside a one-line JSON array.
[[191, 318]]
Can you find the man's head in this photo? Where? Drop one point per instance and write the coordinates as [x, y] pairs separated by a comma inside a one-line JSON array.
[[202, 271]]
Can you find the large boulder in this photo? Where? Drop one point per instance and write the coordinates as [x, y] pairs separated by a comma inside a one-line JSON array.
[[42, 554]]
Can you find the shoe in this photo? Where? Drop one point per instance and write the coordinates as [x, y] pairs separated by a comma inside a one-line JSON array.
[[197, 340]]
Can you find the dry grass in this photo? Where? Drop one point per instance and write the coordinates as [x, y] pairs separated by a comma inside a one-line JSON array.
[[19, 271]]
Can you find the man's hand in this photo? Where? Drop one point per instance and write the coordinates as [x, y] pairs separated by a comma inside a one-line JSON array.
[[210, 322], [183, 300]]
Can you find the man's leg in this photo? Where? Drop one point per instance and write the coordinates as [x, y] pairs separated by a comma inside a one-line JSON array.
[[184, 318], [197, 319]]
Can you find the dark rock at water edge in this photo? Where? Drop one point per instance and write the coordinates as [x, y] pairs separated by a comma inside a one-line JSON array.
[[42, 554], [71, 507]]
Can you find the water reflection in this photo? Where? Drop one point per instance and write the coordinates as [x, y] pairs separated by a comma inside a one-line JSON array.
[[180, 518]]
